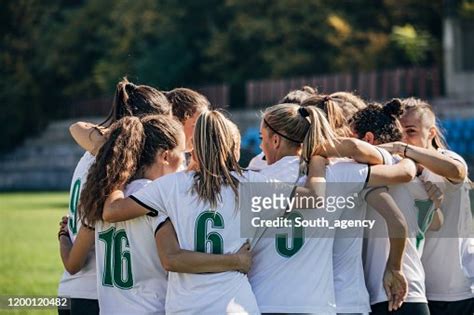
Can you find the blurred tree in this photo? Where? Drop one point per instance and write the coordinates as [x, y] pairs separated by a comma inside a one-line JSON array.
[[415, 44], [55, 52]]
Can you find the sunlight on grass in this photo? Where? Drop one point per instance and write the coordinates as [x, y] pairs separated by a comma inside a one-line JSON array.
[[30, 263]]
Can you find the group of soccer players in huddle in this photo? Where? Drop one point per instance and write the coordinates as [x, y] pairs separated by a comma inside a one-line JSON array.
[[154, 223]]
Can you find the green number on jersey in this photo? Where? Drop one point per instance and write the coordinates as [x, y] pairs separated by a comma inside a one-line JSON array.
[[76, 191], [425, 217], [203, 239], [117, 260], [281, 240]]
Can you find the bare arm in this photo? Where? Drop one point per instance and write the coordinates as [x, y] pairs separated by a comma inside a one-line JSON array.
[[175, 259], [436, 195], [117, 208], [433, 160], [315, 184], [383, 203], [358, 150], [395, 284], [87, 136], [402, 172], [74, 256]]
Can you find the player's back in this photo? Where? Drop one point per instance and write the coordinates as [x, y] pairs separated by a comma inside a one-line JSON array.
[[200, 228], [83, 283], [131, 279]]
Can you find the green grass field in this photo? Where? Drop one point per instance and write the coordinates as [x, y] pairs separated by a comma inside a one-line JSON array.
[[30, 262]]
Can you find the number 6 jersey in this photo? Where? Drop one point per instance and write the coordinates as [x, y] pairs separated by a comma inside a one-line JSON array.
[[200, 229]]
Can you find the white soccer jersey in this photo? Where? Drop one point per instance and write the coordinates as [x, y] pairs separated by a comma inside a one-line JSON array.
[[378, 246], [130, 278], [349, 282], [200, 229], [467, 258], [81, 285], [258, 162], [425, 209], [292, 266], [445, 279], [417, 209]]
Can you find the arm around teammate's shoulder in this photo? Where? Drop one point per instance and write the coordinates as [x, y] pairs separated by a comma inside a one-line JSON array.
[[400, 173], [175, 259], [360, 151], [444, 165]]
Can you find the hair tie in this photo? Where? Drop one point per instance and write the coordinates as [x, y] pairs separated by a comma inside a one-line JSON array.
[[279, 133], [130, 87], [303, 111], [327, 98]]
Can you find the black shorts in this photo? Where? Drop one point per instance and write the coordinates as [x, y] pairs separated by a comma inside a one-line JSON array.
[[82, 306], [463, 307], [406, 309]]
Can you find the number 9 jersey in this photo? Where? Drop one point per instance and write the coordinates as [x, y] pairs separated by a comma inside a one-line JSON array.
[[82, 285]]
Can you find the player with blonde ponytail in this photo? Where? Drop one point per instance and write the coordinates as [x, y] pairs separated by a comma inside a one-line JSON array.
[[203, 206], [283, 276]]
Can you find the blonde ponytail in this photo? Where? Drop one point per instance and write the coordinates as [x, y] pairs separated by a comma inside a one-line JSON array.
[[216, 149], [334, 113], [320, 133]]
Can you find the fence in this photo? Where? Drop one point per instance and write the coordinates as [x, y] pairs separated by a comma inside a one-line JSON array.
[[218, 95], [373, 85]]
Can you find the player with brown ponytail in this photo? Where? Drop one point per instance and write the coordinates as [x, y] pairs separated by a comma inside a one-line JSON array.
[[129, 100], [137, 150]]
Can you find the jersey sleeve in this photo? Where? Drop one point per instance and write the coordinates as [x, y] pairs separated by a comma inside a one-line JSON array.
[[457, 157], [151, 197], [257, 163], [386, 156], [157, 221], [347, 177]]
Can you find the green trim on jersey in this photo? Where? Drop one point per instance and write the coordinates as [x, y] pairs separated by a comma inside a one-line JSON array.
[[425, 217]]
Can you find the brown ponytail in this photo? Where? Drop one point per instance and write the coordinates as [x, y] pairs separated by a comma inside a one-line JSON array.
[[186, 102], [137, 100], [115, 163], [131, 147]]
